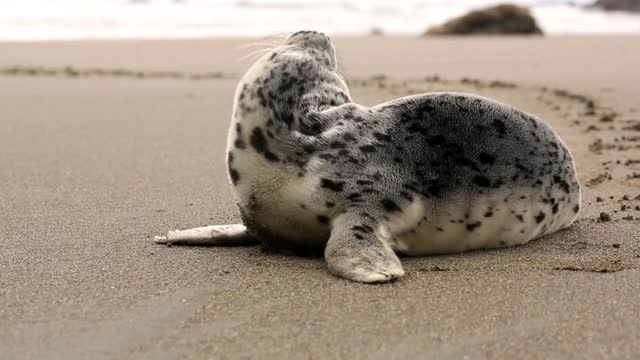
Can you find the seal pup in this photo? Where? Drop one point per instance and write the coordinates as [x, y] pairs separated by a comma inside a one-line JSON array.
[[314, 172]]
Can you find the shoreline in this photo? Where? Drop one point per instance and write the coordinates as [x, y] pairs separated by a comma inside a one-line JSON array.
[[343, 36]]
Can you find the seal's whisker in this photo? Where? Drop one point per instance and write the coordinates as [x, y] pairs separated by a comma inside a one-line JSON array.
[[253, 45], [279, 37], [264, 45], [272, 40], [342, 71], [260, 43], [254, 55]]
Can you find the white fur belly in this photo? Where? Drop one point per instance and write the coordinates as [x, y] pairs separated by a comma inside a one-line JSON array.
[[295, 212], [280, 201], [464, 224]]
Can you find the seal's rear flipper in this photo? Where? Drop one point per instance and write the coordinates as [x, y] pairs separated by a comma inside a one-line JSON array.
[[214, 235], [355, 252]]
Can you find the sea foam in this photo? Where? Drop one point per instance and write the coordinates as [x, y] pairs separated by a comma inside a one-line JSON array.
[[113, 19]]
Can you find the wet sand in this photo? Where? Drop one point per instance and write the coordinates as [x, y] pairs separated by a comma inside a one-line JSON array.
[[107, 143]]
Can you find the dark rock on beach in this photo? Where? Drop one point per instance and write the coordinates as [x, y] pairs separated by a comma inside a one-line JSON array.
[[495, 20], [618, 5]]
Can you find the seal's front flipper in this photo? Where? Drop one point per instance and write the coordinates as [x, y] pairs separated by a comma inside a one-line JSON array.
[[215, 235], [355, 252]]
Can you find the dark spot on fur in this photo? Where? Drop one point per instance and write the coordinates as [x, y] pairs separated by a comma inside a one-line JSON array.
[[499, 125], [488, 214], [554, 209], [381, 136], [481, 181], [271, 156], [235, 176], [309, 149], [363, 229], [349, 137], [415, 128], [258, 141], [486, 158], [368, 148], [540, 217], [473, 226], [287, 118], [364, 182], [323, 219], [329, 204], [239, 143], [465, 162], [436, 140], [564, 186], [332, 185], [358, 236], [576, 209], [326, 157], [389, 205], [519, 217]]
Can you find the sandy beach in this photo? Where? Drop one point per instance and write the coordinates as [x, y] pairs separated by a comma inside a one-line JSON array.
[[105, 144]]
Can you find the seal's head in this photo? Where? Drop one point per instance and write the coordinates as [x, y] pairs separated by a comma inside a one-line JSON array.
[[297, 77], [288, 85], [314, 43]]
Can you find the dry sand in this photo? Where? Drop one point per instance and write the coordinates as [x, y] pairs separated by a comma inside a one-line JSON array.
[[94, 162]]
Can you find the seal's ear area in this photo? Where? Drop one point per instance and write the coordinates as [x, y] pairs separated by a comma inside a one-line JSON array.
[[355, 252]]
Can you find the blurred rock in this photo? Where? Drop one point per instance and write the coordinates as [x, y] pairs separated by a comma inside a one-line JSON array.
[[499, 19], [619, 5], [376, 31]]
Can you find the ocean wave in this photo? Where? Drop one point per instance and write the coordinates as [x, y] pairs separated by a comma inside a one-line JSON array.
[[96, 19]]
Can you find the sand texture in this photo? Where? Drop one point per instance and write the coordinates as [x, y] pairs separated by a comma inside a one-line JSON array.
[[106, 144]]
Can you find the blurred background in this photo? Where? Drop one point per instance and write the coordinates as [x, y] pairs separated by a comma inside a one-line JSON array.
[[109, 19]]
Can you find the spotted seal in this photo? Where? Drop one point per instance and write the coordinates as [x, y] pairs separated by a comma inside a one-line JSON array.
[[315, 172]]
